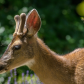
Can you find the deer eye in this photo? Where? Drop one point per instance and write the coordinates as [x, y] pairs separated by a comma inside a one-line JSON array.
[[17, 47]]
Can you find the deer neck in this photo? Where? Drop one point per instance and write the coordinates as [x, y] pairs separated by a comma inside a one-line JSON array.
[[48, 65]]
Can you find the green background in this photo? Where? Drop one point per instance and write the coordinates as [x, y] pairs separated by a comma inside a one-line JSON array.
[[62, 28]]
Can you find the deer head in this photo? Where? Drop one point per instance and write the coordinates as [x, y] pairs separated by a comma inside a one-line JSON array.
[[21, 48]]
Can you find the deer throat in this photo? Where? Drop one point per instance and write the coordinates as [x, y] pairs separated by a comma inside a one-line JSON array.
[[30, 63]]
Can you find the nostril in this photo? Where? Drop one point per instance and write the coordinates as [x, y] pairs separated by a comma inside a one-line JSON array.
[[2, 67]]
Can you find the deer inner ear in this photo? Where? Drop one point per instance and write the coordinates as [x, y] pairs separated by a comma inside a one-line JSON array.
[[33, 22]]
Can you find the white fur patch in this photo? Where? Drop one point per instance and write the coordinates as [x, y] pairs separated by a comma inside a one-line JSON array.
[[30, 63]]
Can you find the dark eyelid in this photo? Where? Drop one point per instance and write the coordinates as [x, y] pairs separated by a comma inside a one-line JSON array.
[[17, 47]]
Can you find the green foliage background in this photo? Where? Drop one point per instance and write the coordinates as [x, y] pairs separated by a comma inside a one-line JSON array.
[[62, 29]]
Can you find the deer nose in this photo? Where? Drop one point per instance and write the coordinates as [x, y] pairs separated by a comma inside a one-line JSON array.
[[2, 66]]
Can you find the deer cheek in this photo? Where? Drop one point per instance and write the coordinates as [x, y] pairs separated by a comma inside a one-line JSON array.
[[30, 51], [30, 42]]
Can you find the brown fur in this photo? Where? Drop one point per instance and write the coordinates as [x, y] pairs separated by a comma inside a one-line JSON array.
[[50, 67]]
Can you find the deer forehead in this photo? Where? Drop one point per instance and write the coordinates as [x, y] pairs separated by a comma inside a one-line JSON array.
[[17, 42]]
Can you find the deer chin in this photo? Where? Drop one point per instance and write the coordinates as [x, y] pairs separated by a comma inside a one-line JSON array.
[[1, 72]]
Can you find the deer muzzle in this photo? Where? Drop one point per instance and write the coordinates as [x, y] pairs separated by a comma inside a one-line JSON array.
[[3, 67]]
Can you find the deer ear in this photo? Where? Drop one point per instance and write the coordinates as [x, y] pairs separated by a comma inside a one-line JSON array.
[[33, 22]]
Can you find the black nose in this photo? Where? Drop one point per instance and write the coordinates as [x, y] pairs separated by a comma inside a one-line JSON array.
[[2, 66]]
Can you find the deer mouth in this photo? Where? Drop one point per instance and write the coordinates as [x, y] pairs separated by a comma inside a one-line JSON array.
[[5, 63], [3, 67]]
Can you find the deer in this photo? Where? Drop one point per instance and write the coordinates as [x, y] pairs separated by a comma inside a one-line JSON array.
[[26, 48]]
